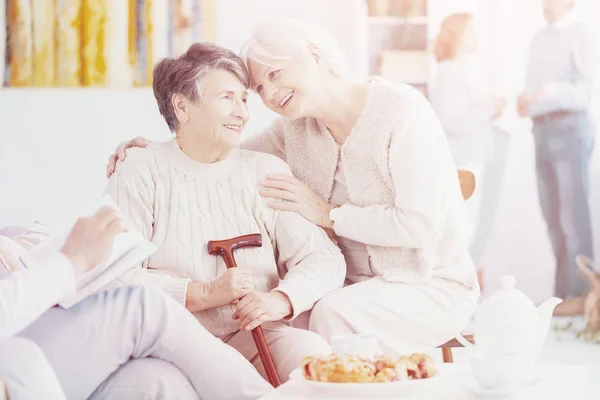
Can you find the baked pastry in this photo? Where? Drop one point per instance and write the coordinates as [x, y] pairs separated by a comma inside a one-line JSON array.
[[354, 369], [407, 369], [425, 364], [386, 375], [338, 369]]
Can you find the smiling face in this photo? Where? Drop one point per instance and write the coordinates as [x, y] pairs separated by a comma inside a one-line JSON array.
[[289, 87], [221, 113]]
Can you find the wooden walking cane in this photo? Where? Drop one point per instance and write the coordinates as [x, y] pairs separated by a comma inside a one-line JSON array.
[[225, 249]]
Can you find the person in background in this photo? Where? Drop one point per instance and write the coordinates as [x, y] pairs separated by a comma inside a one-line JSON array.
[[117, 344], [558, 97], [466, 110]]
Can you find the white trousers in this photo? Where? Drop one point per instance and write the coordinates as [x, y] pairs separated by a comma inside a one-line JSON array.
[[146, 379], [405, 318], [26, 372], [28, 375], [97, 338]]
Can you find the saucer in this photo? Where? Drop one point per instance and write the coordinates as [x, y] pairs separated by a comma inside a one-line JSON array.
[[530, 379], [481, 392]]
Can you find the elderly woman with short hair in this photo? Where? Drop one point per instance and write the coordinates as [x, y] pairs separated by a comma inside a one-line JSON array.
[[199, 187]]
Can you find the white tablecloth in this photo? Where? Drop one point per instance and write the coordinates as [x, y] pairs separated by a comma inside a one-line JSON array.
[[554, 382]]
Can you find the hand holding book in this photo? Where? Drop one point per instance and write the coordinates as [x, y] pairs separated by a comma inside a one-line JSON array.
[[91, 239], [101, 246]]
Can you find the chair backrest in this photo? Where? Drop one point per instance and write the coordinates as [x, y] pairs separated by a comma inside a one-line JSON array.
[[467, 183]]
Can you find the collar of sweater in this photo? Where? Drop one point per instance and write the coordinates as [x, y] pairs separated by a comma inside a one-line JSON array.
[[213, 171]]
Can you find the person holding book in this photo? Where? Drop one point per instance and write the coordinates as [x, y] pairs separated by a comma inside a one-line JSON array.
[[110, 341], [199, 187], [372, 164]]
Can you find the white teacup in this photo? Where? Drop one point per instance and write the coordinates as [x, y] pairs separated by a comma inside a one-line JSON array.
[[499, 371], [356, 344]]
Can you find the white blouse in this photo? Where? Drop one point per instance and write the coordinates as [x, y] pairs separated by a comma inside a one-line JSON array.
[[465, 108]]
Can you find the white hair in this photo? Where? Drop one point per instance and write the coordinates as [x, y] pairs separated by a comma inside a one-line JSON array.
[[282, 41], [569, 2]]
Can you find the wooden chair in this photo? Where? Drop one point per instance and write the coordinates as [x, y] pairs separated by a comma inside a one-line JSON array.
[[447, 347], [467, 187], [467, 183]]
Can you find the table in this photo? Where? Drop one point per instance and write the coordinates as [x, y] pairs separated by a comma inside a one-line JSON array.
[[555, 382]]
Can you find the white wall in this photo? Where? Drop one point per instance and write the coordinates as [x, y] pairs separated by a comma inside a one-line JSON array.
[[54, 145]]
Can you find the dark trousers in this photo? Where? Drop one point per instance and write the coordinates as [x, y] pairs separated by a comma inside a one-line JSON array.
[[563, 147]]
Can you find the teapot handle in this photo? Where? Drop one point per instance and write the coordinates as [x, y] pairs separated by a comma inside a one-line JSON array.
[[461, 339]]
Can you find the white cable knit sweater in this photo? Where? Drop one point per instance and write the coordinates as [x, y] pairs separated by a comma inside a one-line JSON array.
[[181, 204], [406, 204]]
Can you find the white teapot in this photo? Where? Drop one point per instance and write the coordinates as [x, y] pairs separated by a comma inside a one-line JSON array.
[[509, 329]]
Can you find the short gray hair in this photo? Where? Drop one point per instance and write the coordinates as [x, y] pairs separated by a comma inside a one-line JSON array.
[[182, 75]]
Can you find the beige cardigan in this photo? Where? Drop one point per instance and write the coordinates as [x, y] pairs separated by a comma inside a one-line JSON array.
[[406, 204]]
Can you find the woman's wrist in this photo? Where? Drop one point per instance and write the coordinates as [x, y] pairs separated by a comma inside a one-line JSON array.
[[326, 221], [198, 297], [286, 304]]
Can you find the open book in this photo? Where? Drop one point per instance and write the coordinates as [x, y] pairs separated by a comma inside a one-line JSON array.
[[129, 250]]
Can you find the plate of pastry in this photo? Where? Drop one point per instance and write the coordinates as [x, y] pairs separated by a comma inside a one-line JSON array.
[[355, 376]]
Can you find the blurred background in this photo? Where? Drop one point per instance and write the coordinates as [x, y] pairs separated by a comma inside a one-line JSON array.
[[76, 76]]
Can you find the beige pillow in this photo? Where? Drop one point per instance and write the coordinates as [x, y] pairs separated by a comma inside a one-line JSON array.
[[12, 248]]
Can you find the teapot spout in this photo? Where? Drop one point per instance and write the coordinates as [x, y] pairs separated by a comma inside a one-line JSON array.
[[546, 309]]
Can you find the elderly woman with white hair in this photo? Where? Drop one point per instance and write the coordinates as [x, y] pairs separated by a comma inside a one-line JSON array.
[[199, 187], [371, 164]]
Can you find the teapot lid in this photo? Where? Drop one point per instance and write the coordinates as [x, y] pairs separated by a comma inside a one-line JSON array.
[[508, 303]]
